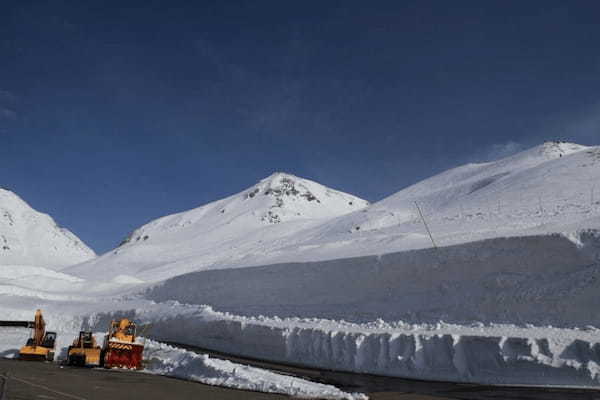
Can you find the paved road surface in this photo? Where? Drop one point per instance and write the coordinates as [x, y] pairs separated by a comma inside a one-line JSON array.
[[29, 380], [22, 380]]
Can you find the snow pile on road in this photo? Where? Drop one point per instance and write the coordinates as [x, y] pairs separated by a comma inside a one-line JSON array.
[[28, 237], [163, 359], [233, 231], [491, 354]]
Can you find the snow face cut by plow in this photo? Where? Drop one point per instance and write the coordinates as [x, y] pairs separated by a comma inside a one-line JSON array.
[[493, 354], [543, 280]]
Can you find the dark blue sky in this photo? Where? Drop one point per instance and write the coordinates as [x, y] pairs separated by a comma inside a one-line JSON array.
[[113, 113]]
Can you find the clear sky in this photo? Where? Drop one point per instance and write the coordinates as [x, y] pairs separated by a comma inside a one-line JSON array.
[[113, 113]]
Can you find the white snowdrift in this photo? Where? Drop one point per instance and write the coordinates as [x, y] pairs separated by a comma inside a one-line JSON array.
[[163, 359]]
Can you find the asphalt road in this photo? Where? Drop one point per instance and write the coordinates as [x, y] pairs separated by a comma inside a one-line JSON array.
[[30, 380], [23, 380]]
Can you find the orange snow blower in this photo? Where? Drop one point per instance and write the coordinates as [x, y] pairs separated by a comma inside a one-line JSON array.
[[40, 347], [120, 349], [84, 352]]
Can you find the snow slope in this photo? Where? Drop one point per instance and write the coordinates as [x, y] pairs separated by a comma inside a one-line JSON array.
[[231, 231], [554, 187], [544, 190], [28, 237]]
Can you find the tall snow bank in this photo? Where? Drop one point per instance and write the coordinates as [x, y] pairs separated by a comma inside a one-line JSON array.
[[492, 354], [546, 279]]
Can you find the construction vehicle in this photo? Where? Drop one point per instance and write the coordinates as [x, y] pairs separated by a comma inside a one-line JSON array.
[[40, 346], [84, 352], [121, 349]]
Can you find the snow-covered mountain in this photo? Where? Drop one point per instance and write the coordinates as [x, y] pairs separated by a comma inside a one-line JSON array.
[[28, 237], [551, 188], [547, 189], [237, 230]]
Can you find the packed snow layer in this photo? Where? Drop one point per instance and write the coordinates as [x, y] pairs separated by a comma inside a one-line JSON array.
[[495, 354], [28, 237], [163, 359], [549, 279]]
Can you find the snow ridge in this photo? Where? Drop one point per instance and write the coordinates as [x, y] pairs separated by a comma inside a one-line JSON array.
[[229, 232]]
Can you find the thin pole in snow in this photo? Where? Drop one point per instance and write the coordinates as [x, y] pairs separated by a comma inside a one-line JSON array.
[[425, 223]]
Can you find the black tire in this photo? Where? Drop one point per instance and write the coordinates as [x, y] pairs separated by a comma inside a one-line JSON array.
[[76, 360], [50, 356], [102, 354]]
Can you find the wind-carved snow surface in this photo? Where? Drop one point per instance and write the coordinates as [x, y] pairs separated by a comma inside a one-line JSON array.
[[28, 237]]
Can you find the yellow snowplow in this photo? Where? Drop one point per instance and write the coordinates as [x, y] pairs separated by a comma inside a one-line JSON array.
[[40, 347], [84, 351]]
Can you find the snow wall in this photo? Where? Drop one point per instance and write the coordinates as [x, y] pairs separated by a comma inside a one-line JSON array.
[[541, 280], [479, 354]]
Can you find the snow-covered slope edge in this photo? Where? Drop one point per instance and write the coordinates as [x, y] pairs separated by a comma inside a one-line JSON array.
[[28, 237]]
